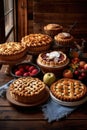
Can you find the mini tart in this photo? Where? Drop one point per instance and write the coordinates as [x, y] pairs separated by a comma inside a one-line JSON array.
[[64, 39], [53, 29], [68, 90], [11, 51], [37, 42], [27, 90], [52, 59]]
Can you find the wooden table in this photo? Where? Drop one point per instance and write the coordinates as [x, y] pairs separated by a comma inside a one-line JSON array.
[[15, 118]]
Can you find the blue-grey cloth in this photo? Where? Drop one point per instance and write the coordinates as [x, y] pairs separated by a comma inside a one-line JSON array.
[[54, 111], [4, 87]]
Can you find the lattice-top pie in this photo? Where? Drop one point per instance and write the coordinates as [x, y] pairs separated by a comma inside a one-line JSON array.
[[52, 59], [37, 42], [12, 51], [28, 90], [68, 89]]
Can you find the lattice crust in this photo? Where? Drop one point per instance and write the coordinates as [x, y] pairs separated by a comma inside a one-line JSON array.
[[27, 90], [68, 89], [35, 40]]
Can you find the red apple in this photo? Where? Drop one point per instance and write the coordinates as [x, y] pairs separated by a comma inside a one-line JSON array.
[[67, 73]]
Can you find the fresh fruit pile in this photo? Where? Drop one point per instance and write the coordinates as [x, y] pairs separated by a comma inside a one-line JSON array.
[[77, 69], [26, 70]]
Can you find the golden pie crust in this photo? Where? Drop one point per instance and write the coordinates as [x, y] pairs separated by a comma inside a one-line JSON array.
[[37, 42], [12, 51], [64, 38], [52, 59], [68, 89], [27, 90], [53, 29]]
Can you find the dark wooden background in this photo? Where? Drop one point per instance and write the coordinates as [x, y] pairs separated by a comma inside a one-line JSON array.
[[63, 12]]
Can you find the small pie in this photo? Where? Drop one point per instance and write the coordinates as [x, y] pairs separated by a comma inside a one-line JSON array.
[[64, 39], [53, 29], [37, 42], [68, 89], [52, 59], [11, 51], [28, 90]]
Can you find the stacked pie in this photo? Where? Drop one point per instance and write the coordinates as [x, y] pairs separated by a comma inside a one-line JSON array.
[[68, 90], [37, 43], [28, 90], [11, 51]]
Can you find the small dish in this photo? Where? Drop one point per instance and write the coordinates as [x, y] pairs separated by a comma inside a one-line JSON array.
[[25, 69]]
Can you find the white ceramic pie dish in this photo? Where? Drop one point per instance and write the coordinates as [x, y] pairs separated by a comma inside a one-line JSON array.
[[70, 104]]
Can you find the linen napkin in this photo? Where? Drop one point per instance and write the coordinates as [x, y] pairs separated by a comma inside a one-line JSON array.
[[54, 111], [4, 87]]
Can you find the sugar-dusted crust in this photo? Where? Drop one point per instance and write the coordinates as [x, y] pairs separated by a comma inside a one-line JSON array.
[[27, 90], [12, 51], [52, 59], [53, 29], [37, 42], [64, 39], [68, 89]]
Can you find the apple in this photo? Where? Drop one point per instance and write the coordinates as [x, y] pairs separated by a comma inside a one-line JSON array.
[[67, 73], [81, 64], [85, 66], [49, 78]]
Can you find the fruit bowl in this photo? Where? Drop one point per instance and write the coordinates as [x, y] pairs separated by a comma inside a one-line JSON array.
[[25, 69]]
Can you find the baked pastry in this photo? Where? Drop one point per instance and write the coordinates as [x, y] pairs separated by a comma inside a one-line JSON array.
[[28, 90], [37, 43], [52, 59], [64, 39], [53, 29], [11, 51], [68, 89]]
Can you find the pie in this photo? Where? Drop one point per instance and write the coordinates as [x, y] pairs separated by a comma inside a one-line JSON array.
[[68, 89], [37, 42], [11, 51], [53, 29], [52, 59], [28, 90], [64, 39]]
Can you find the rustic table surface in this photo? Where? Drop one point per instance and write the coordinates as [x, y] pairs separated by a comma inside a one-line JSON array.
[[16, 118]]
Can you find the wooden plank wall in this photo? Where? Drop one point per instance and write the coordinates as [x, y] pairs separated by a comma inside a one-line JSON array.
[[63, 12]]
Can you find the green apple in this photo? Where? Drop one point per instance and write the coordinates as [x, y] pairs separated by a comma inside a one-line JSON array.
[[49, 78]]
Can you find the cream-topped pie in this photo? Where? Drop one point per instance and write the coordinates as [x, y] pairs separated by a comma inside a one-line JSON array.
[[68, 89], [53, 29], [37, 42], [12, 51], [28, 90], [52, 59], [64, 39]]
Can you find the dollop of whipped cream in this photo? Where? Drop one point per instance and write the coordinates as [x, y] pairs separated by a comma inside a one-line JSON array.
[[53, 55], [65, 34]]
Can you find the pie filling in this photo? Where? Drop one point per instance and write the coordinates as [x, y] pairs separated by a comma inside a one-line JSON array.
[[52, 59]]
